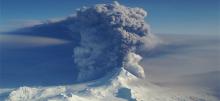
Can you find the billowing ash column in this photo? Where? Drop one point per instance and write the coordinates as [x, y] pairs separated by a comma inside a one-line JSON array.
[[110, 34]]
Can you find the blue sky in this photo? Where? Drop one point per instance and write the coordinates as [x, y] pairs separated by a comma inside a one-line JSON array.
[[165, 16]]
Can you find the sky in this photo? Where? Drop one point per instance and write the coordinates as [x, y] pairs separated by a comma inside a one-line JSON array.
[[164, 16]]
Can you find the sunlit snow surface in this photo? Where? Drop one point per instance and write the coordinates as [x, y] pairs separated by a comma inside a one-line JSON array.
[[176, 67]]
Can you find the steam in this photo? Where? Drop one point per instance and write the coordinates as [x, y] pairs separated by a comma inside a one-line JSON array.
[[132, 65], [111, 35]]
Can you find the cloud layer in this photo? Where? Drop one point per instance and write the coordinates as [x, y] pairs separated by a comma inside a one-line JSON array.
[[24, 41]]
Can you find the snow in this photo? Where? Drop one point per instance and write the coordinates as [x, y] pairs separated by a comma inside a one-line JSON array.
[[113, 38], [119, 86]]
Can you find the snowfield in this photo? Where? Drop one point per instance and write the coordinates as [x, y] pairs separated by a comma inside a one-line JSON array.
[[117, 58], [120, 86]]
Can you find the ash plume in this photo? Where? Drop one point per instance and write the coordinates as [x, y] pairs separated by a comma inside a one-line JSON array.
[[109, 32]]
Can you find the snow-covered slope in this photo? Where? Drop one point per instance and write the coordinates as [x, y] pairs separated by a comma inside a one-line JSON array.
[[112, 37], [118, 86]]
